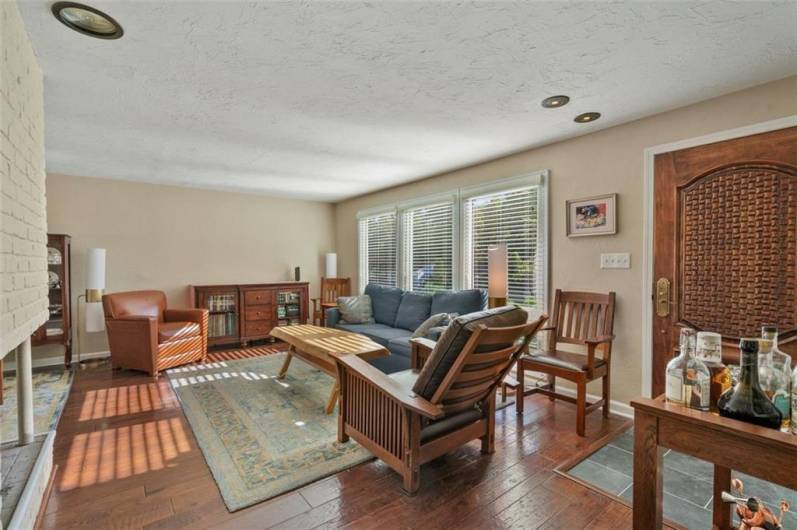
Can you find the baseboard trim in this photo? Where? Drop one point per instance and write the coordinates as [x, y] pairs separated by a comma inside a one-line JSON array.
[[33, 495], [41, 362]]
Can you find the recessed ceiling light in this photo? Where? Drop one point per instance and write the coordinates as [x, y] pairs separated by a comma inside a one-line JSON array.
[[554, 102], [587, 117], [87, 20]]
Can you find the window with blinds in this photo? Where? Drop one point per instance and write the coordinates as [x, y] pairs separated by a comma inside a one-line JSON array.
[[428, 248], [510, 217], [379, 250]]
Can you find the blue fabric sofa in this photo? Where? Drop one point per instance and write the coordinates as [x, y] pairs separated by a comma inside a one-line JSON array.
[[398, 313]]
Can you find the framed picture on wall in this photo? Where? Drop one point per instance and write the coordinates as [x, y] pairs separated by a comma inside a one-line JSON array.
[[593, 216]]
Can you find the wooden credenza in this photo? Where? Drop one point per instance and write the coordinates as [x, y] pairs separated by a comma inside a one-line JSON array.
[[243, 313]]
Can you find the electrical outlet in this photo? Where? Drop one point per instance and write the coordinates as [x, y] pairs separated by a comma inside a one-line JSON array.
[[617, 260]]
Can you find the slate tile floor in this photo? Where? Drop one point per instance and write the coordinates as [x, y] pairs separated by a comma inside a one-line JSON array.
[[687, 483]]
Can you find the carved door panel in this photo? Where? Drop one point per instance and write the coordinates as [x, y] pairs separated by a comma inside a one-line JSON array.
[[725, 243]]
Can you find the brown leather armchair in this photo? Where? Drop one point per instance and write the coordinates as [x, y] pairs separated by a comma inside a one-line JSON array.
[[144, 335]]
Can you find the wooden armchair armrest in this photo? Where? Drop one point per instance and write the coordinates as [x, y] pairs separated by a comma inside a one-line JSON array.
[[603, 339], [389, 386], [420, 349], [591, 345]]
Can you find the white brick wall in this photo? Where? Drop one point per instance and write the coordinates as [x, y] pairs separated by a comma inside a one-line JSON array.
[[23, 219]]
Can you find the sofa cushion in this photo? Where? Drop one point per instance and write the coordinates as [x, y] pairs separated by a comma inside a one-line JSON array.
[[462, 302], [169, 331], [379, 333], [385, 302], [450, 345], [355, 309], [413, 310], [400, 346]]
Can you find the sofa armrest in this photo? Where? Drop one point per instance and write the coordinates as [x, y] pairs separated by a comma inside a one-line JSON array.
[[332, 317]]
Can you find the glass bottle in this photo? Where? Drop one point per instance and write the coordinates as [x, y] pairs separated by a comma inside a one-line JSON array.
[[794, 401], [709, 350], [688, 379], [774, 373], [746, 401]]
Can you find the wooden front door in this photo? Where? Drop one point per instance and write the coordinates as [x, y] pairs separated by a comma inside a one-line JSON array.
[[725, 243]]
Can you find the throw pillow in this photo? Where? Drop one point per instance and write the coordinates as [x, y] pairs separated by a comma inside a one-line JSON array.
[[355, 309], [428, 324]]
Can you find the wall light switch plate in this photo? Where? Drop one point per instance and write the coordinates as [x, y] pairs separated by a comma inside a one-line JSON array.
[[617, 260]]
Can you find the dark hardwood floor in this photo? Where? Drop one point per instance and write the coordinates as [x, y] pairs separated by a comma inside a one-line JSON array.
[[127, 458]]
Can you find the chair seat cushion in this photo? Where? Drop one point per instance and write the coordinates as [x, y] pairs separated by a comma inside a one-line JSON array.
[[450, 423], [563, 359], [169, 331]]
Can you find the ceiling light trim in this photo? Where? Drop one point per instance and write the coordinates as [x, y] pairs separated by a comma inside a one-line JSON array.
[[58, 9]]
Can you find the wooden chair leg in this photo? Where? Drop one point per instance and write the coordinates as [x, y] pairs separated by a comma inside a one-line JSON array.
[[581, 408], [412, 471], [606, 395], [551, 386], [520, 393], [488, 440]]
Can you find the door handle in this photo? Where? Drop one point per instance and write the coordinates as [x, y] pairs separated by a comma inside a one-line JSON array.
[[662, 297]]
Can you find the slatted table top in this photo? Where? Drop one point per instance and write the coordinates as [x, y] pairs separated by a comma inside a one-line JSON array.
[[321, 342]]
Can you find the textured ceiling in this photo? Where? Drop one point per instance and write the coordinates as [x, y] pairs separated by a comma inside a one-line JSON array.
[[327, 100]]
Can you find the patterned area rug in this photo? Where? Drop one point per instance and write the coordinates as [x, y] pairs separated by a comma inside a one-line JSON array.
[[50, 390], [262, 436]]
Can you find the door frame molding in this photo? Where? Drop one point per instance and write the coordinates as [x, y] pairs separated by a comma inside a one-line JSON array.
[[647, 222]]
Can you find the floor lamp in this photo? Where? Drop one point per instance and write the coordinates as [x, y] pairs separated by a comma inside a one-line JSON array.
[[497, 275], [94, 318]]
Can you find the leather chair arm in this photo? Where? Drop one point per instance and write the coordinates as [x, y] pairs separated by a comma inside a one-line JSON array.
[[200, 316], [132, 337], [185, 315]]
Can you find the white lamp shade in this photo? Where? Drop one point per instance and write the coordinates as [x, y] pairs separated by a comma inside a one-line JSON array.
[[95, 269], [331, 265], [95, 318], [497, 274]]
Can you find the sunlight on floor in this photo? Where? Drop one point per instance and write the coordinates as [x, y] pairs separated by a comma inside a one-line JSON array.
[[197, 377], [107, 403], [108, 454]]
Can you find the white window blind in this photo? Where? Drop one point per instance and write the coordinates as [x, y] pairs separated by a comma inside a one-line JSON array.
[[378, 250], [428, 248], [511, 217]]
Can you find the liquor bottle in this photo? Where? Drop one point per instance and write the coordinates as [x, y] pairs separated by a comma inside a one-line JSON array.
[[774, 373], [709, 350], [746, 401], [688, 379], [794, 401]]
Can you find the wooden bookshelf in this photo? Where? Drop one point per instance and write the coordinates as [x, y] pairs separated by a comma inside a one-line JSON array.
[[58, 329], [240, 314]]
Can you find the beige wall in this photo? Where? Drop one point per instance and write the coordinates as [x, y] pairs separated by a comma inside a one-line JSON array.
[[163, 237], [603, 162], [23, 221]]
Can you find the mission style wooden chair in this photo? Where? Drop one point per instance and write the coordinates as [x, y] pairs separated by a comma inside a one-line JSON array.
[[581, 319], [409, 418], [331, 289]]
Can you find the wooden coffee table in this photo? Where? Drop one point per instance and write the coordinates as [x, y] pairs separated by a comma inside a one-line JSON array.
[[314, 345]]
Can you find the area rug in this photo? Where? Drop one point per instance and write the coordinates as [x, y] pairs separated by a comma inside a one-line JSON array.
[[261, 436], [688, 482], [50, 390]]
